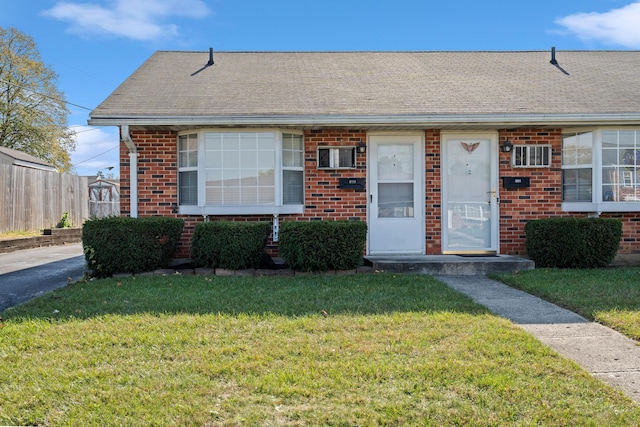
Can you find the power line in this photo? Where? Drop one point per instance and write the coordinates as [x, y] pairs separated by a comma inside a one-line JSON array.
[[86, 130], [97, 155], [45, 95]]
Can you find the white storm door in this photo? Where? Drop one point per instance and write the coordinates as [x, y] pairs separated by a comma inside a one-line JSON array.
[[396, 194], [470, 193]]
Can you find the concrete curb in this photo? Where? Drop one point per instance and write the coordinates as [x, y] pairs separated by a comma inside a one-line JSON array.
[[56, 237]]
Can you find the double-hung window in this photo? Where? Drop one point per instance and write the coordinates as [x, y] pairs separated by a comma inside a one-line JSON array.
[[601, 170], [188, 169], [241, 172], [620, 165], [292, 169], [577, 167]]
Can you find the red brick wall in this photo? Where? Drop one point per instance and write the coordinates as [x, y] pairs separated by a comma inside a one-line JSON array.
[[157, 187], [157, 182], [323, 198], [433, 193], [544, 198], [125, 181], [630, 242], [541, 200], [157, 174]]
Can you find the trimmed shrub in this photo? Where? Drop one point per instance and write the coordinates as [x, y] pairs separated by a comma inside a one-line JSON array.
[[573, 242], [229, 244], [129, 245], [322, 245]]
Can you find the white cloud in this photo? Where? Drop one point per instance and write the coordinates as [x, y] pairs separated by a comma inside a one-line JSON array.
[[96, 149], [615, 27], [138, 20]]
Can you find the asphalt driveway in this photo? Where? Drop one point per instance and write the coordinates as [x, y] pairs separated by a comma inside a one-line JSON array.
[[30, 273]]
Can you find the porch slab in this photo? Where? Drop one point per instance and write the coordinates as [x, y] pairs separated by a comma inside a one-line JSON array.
[[448, 264]]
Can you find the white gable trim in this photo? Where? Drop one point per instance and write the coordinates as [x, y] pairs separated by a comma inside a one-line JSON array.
[[34, 166]]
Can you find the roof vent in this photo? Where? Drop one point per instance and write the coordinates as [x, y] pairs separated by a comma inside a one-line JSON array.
[[553, 61], [208, 64]]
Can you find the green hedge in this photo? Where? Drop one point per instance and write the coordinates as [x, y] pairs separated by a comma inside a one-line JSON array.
[[322, 245], [573, 242], [229, 244], [129, 245]]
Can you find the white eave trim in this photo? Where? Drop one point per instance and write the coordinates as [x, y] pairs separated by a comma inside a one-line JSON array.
[[427, 121], [32, 165]]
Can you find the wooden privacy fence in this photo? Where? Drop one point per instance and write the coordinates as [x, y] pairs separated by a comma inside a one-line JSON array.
[[32, 199]]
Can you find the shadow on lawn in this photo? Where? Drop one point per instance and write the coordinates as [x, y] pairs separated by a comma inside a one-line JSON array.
[[367, 294]]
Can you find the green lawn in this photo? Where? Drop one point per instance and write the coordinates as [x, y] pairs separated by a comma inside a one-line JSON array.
[[193, 350], [610, 296], [19, 234]]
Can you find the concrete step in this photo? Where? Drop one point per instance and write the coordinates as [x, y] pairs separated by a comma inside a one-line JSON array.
[[458, 265]]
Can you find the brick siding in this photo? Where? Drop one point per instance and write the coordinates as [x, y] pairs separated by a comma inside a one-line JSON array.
[[157, 187], [541, 200]]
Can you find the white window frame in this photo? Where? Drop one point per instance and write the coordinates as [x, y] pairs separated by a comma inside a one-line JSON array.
[[183, 169], [274, 209], [596, 204], [291, 167]]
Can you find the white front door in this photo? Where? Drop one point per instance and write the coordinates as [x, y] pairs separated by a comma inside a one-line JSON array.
[[470, 193], [396, 194]]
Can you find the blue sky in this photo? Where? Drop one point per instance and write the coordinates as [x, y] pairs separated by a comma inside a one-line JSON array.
[[93, 45]]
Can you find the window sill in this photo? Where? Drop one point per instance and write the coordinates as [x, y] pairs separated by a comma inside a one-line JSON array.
[[240, 210], [601, 207]]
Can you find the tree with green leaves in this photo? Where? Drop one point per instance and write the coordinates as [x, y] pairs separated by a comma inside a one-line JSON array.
[[33, 112]]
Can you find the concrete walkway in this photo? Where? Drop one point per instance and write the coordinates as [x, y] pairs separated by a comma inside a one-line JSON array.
[[605, 353]]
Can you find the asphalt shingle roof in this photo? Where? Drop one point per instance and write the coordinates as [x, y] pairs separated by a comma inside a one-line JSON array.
[[174, 84]]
